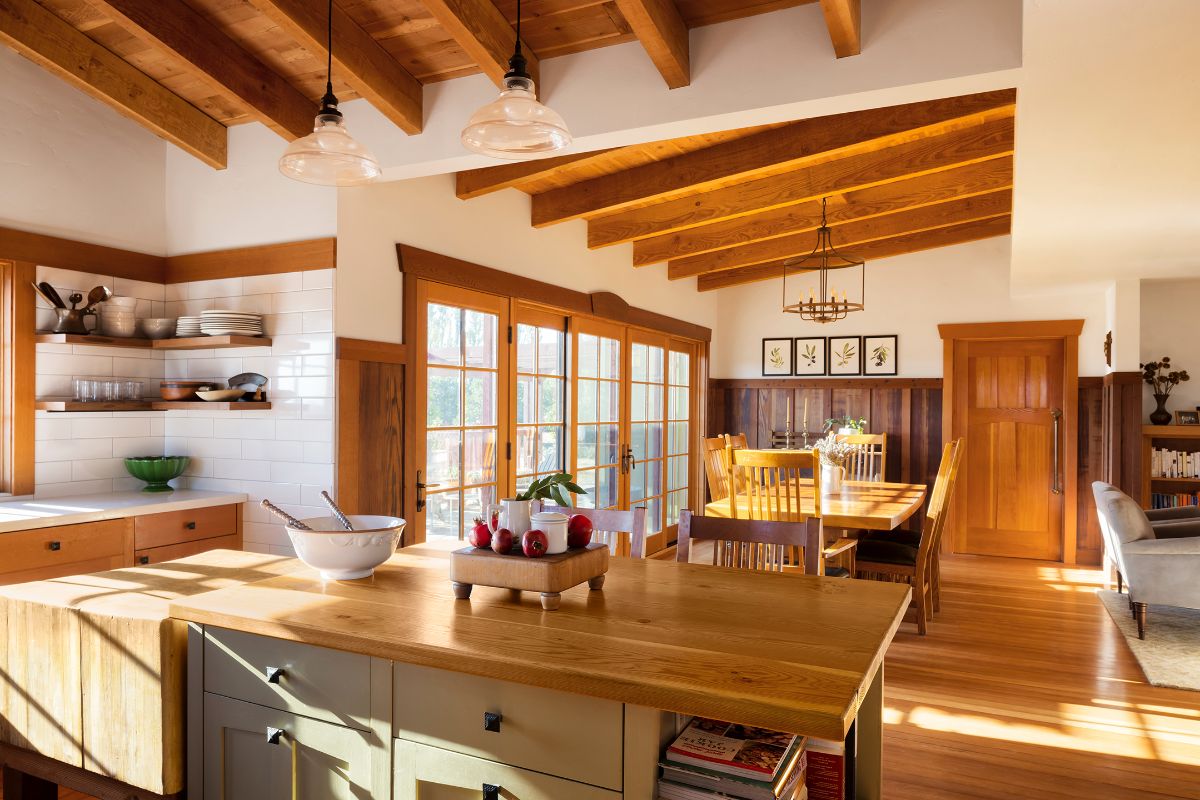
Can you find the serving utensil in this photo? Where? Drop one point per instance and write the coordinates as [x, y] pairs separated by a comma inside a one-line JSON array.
[[98, 295], [44, 296], [283, 515], [337, 512], [52, 293]]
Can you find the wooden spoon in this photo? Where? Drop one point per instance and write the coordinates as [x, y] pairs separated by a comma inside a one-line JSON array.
[[52, 293], [49, 301], [98, 295]]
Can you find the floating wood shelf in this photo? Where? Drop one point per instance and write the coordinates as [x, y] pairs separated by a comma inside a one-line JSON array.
[[190, 343], [1171, 431], [149, 405], [1174, 480]]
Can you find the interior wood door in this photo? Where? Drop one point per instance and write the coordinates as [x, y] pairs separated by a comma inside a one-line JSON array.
[[1011, 398]]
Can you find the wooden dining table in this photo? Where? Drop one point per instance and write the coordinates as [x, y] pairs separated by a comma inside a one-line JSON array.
[[861, 505]]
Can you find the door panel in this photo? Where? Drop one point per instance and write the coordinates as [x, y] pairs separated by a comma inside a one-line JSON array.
[[1013, 390], [599, 413], [647, 431]]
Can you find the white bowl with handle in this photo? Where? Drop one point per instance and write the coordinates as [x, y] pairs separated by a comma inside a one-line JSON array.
[[342, 555]]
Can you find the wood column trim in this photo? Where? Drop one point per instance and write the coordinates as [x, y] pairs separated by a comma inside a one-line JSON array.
[[17, 385], [1122, 432], [1034, 329], [418, 263], [53, 251], [827, 383], [239, 262]]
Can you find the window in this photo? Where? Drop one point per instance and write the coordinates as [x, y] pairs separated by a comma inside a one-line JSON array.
[[679, 429], [539, 443], [600, 460]]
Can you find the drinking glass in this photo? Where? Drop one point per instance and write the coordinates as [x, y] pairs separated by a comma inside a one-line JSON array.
[[88, 390], [112, 390], [131, 390]]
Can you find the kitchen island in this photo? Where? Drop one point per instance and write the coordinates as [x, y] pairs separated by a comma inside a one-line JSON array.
[[389, 687]]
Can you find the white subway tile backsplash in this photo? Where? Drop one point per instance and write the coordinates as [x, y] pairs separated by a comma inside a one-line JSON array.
[[255, 547], [118, 425], [102, 486], [136, 446], [308, 300], [252, 303], [317, 408], [94, 469], [204, 448], [53, 386], [318, 452], [188, 308], [241, 469], [72, 449], [285, 551], [258, 429], [318, 321], [318, 279], [279, 324], [273, 284], [51, 472], [62, 349], [138, 368], [142, 289], [265, 533], [272, 450], [175, 291], [222, 368], [61, 364], [47, 427], [286, 407], [179, 426], [302, 344], [304, 430], [222, 287]]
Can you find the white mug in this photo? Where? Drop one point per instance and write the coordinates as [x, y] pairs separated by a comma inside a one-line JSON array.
[[554, 525]]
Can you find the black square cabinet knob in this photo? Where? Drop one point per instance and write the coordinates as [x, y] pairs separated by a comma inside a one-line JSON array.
[[491, 791], [491, 721]]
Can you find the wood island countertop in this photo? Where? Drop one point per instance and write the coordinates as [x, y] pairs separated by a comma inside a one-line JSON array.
[[788, 652]]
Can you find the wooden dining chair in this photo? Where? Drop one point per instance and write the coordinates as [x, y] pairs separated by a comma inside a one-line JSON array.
[[740, 543], [714, 463], [769, 485], [892, 560], [868, 459], [623, 531]]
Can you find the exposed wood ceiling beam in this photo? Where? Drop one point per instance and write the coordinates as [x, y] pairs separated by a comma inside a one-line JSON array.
[[843, 19], [923, 156], [770, 152], [217, 60], [474, 183], [664, 35], [54, 44], [884, 248], [848, 236], [481, 29], [967, 181], [358, 59]]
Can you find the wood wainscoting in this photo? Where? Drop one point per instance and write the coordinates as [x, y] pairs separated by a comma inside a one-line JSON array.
[[909, 410]]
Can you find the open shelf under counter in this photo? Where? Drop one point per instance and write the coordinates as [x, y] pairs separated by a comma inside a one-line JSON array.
[[65, 404], [190, 343]]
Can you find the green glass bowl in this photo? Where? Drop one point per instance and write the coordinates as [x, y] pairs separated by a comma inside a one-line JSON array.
[[156, 471]]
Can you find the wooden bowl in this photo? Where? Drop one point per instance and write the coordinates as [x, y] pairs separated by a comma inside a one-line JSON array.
[[220, 395], [183, 390]]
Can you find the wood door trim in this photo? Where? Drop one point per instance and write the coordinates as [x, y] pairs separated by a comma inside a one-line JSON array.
[[1034, 329], [1067, 330], [351, 355], [17, 383], [445, 269], [367, 350]]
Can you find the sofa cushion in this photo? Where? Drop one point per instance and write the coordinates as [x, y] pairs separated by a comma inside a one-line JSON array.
[[1126, 520], [1166, 547]]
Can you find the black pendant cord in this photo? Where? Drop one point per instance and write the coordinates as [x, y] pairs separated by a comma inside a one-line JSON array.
[[517, 64], [329, 102]]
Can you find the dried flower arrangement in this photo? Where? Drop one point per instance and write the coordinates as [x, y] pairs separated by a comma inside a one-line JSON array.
[[833, 453], [1162, 383]]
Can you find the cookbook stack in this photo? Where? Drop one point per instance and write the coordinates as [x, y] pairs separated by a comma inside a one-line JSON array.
[[714, 759]]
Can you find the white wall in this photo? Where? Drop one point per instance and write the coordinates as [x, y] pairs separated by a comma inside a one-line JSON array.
[[248, 203], [72, 167], [1168, 328], [908, 295], [493, 230]]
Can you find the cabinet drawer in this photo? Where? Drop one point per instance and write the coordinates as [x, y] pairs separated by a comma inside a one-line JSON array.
[[430, 773], [564, 734], [257, 753], [47, 552], [170, 552], [314, 681], [173, 527]]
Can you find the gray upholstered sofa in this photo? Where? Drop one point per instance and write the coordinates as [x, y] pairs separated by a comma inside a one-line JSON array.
[[1158, 556]]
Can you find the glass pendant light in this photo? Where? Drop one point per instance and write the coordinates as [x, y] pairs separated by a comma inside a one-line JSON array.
[[515, 124], [329, 156]]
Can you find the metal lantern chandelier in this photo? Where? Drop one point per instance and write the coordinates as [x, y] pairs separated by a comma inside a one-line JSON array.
[[822, 303]]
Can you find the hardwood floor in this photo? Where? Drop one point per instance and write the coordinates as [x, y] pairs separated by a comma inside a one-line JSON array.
[[1025, 689]]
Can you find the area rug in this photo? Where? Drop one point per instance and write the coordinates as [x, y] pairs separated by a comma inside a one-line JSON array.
[[1170, 653]]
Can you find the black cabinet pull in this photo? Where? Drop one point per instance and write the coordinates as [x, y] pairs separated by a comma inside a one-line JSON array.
[[191, 526], [143, 559], [491, 721], [274, 735], [273, 674], [56, 545], [491, 791]]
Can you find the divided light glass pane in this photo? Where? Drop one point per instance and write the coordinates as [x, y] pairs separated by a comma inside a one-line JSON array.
[[653, 478], [551, 348], [656, 364], [443, 455], [608, 444], [680, 367], [585, 454], [679, 402], [479, 398], [526, 348], [526, 399], [441, 515], [586, 411], [479, 456], [589, 355], [526, 442], [654, 515], [677, 473], [637, 362], [443, 334], [610, 358], [637, 402], [610, 401], [443, 399], [550, 392], [474, 502], [606, 487], [654, 402], [654, 440], [479, 333], [549, 449], [637, 440]]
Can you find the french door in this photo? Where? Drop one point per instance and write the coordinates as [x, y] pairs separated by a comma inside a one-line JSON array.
[[507, 392]]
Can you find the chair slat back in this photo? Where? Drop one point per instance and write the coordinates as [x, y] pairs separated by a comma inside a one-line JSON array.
[[768, 484], [939, 500], [623, 531], [868, 459], [740, 543], [714, 463]]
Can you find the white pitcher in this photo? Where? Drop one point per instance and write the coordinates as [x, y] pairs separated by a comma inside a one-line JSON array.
[[831, 478], [512, 514]]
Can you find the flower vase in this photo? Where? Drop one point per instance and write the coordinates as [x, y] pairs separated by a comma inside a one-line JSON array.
[[1160, 415], [831, 479]]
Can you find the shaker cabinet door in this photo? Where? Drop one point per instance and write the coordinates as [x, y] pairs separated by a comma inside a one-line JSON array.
[[257, 753]]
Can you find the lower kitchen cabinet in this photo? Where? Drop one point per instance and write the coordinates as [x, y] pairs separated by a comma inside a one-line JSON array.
[[430, 773], [257, 753]]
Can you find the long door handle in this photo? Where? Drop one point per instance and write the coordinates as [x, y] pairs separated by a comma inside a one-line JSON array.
[[421, 487], [1056, 482]]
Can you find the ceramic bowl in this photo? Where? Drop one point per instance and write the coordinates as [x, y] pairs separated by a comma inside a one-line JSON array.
[[342, 555], [119, 303], [220, 395], [174, 391], [156, 471], [158, 328]]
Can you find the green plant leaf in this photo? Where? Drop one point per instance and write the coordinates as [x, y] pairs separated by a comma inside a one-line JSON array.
[[559, 497], [574, 488]]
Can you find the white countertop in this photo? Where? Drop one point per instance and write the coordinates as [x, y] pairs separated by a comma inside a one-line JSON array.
[[23, 515]]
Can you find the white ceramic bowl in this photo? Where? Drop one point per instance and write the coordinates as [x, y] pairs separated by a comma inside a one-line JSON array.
[[121, 303], [158, 327], [342, 555]]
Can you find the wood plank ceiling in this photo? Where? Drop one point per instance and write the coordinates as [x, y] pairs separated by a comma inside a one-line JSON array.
[[730, 208], [185, 69]]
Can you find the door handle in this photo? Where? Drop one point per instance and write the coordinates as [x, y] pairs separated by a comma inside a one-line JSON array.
[[421, 487], [1056, 482], [628, 462], [274, 735]]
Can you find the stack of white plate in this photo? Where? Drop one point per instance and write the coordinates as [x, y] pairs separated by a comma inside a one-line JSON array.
[[219, 322], [186, 327]]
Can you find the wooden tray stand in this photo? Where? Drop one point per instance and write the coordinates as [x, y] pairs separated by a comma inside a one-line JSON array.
[[550, 575]]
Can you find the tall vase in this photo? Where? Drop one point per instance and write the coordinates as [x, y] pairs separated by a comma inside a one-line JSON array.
[[831, 479], [1160, 415]]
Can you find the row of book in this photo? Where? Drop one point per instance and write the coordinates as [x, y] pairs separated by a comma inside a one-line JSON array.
[[1166, 463], [1174, 499], [718, 760]]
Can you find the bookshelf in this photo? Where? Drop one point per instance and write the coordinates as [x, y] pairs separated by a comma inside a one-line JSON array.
[[1179, 438]]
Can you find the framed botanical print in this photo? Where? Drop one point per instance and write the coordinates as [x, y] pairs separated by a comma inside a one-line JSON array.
[[810, 356], [776, 357], [880, 355], [845, 355]]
